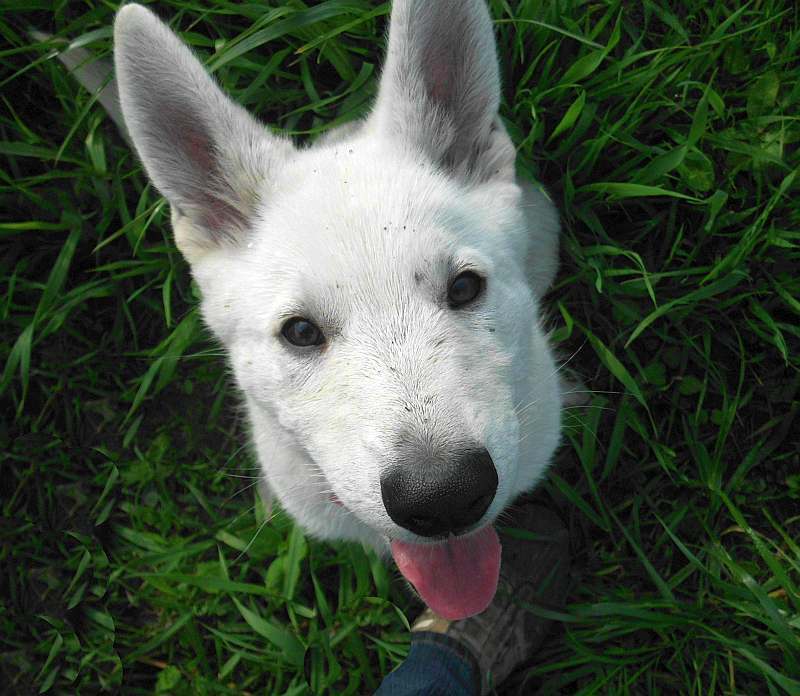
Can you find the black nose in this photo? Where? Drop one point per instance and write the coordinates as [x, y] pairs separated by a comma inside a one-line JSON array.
[[431, 499]]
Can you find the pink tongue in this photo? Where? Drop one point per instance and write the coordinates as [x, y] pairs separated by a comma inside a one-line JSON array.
[[457, 578]]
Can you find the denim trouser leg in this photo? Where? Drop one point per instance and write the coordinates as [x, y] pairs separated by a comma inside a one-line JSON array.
[[436, 665]]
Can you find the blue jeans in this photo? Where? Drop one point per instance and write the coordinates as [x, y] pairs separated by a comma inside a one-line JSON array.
[[437, 665]]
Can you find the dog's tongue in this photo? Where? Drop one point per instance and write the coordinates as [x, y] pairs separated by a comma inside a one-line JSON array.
[[457, 578]]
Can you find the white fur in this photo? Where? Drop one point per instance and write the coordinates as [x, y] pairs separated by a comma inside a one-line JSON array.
[[361, 233]]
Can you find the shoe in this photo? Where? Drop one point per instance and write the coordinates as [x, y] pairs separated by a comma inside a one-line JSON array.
[[533, 573]]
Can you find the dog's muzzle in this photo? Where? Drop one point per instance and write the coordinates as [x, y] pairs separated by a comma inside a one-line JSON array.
[[443, 497]]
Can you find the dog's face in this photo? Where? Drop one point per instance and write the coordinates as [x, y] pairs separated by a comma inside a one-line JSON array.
[[395, 373], [378, 293]]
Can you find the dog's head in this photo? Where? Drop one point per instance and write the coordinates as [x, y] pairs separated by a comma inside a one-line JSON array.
[[378, 293]]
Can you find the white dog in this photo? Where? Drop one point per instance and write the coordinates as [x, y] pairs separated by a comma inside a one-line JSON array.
[[378, 293]]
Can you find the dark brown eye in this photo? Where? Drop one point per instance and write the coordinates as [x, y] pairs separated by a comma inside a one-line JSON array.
[[464, 289], [303, 333]]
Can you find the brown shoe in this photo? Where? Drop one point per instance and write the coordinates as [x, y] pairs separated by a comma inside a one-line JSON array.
[[533, 573]]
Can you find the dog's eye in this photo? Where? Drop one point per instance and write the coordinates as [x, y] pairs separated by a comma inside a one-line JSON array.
[[464, 289], [303, 333]]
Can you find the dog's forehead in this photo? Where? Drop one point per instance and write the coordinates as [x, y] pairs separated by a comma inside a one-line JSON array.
[[349, 207]]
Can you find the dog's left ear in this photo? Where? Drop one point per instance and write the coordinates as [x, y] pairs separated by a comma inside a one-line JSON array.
[[440, 88]]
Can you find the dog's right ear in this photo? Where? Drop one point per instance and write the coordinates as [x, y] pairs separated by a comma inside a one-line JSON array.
[[205, 154]]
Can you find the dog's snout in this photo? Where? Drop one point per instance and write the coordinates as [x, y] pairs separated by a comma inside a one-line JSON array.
[[435, 498]]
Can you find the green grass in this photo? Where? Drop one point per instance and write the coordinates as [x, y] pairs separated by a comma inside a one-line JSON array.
[[135, 555]]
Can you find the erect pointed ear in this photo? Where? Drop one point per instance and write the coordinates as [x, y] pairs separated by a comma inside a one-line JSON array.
[[440, 88], [205, 154]]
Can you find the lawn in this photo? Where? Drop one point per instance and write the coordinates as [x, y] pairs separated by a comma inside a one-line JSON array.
[[136, 555]]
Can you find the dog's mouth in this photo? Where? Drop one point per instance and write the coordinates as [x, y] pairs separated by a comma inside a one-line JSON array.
[[456, 578]]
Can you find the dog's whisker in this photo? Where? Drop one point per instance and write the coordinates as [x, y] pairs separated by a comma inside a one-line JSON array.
[[240, 491], [233, 454], [308, 493], [591, 391], [272, 476], [600, 408], [240, 515], [584, 426], [253, 539], [242, 468], [570, 358], [559, 368], [320, 496], [315, 500], [270, 517]]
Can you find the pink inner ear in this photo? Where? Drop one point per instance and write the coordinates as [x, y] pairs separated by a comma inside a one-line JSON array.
[[438, 73], [216, 215], [189, 134], [441, 73], [198, 149], [213, 218], [203, 189], [219, 217]]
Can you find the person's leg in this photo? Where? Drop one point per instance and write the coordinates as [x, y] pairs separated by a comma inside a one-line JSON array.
[[471, 656], [437, 665]]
